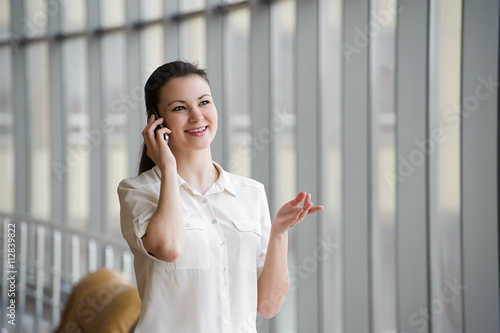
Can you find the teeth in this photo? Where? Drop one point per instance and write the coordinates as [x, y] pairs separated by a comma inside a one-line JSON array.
[[197, 130]]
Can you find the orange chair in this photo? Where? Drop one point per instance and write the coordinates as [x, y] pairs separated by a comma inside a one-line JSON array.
[[104, 301]]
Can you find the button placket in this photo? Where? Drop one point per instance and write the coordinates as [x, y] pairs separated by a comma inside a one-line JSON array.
[[222, 264]]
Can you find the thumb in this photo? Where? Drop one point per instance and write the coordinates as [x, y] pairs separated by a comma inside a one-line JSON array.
[[298, 199]]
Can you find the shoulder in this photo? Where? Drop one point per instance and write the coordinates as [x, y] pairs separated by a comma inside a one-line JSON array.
[[147, 179], [245, 183]]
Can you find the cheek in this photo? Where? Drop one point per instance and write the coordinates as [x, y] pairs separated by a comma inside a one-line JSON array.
[[173, 123], [215, 118]]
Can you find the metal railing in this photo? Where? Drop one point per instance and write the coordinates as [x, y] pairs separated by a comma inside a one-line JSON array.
[[41, 262]]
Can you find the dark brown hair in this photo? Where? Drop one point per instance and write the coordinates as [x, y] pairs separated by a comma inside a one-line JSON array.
[[160, 77]]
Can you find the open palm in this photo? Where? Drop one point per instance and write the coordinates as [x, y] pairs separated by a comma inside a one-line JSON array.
[[292, 213]]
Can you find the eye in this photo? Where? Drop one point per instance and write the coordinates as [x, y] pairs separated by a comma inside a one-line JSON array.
[[204, 102], [178, 108]]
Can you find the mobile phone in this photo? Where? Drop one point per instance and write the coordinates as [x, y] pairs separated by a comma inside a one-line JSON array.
[[157, 116]]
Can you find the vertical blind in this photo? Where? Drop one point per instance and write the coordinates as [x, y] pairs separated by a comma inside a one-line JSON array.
[[386, 111]]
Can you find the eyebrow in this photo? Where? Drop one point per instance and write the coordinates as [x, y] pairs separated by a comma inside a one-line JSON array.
[[183, 101]]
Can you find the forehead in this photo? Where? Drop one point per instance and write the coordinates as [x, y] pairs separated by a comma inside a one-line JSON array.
[[184, 88]]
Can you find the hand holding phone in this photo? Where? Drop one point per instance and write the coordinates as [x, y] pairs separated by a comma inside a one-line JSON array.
[[162, 125]]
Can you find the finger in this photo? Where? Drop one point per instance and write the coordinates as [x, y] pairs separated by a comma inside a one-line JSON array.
[[303, 214], [156, 122], [298, 199], [163, 130], [160, 136], [150, 124], [149, 132], [294, 215], [315, 209], [151, 127], [151, 117], [306, 209], [308, 199]]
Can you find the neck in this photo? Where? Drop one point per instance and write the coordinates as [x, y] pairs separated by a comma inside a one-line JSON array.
[[197, 169]]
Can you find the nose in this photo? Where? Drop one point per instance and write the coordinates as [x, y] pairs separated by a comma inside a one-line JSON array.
[[195, 114]]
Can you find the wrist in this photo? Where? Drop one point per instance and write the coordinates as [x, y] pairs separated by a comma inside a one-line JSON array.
[[278, 231], [168, 173], [168, 168]]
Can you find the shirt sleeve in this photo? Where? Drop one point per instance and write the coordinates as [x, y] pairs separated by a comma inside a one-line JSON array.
[[265, 223], [137, 206]]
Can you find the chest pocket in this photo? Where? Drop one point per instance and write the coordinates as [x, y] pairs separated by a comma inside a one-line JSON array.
[[196, 254], [249, 232]]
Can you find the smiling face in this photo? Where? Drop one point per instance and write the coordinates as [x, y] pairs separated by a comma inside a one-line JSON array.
[[187, 106]]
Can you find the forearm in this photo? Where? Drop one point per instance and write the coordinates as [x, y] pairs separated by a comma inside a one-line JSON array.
[[274, 280], [165, 234]]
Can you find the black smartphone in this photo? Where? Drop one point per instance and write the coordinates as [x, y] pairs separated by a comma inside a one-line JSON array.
[[157, 116]]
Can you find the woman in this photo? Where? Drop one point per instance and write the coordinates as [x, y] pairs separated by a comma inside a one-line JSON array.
[[206, 256]]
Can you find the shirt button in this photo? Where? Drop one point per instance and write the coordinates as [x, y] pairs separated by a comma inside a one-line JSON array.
[[223, 269], [186, 225], [204, 200], [224, 296], [226, 322], [214, 221], [221, 243]]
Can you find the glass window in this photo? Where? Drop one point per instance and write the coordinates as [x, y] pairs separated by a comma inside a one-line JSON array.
[[7, 177], [331, 104], [237, 93], [112, 13], [74, 15], [37, 18], [75, 82], [283, 118], [151, 9], [152, 50], [283, 97], [193, 40], [114, 124], [382, 57], [191, 5], [38, 72], [4, 19], [448, 57]]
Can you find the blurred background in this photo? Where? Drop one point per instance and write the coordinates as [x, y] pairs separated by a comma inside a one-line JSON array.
[[386, 111]]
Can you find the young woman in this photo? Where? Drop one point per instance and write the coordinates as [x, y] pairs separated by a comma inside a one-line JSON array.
[[206, 255]]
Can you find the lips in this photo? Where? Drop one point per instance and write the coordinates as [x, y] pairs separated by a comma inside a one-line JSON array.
[[198, 131]]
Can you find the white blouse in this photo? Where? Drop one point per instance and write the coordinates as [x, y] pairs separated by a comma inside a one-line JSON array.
[[212, 286]]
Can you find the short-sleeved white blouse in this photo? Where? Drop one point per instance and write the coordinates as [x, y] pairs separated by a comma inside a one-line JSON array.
[[212, 286]]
